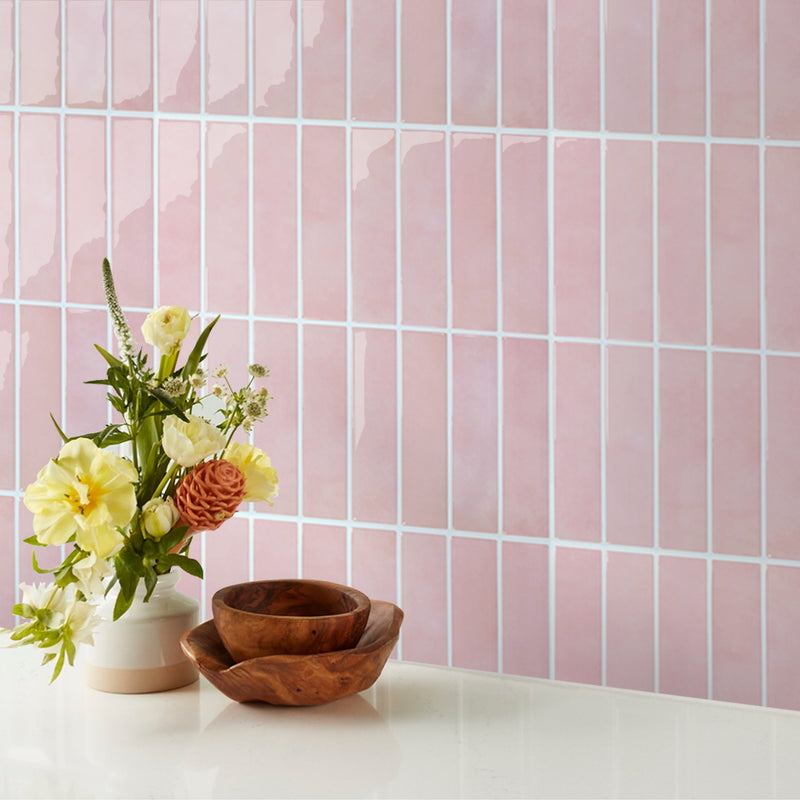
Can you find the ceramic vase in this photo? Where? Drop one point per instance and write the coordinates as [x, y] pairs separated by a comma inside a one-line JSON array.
[[141, 651]]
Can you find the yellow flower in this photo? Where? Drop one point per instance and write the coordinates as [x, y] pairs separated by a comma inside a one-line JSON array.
[[190, 442], [261, 480], [85, 493], [166, 328]]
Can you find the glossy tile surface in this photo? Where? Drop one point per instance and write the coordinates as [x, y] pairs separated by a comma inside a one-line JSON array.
[[524, 273]]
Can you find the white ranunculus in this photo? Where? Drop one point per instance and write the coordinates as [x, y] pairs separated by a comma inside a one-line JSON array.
[[159, 516], [166, 328], [190, 442], [90, 572], [46, 596]]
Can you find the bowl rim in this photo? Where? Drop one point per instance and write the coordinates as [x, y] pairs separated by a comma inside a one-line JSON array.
[[363, 602]]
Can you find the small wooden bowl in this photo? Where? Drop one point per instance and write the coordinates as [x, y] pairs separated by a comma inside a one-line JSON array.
[[297, 617], [292, 680]]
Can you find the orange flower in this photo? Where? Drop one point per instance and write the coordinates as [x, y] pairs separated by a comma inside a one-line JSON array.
[[210, 494]]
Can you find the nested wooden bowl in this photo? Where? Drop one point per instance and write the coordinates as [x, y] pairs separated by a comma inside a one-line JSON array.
[[294, 617], [297, 680]]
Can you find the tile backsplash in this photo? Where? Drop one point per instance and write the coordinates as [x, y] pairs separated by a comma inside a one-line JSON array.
[[525, 273]]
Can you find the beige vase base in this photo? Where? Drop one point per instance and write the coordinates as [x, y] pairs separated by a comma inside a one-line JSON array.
[[140, 681]]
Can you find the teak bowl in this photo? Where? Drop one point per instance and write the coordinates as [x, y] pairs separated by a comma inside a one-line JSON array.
[[298, 617], [297, 680]]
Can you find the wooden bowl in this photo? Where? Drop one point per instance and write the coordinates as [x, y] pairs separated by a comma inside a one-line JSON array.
[[297, 680], [299, 617]]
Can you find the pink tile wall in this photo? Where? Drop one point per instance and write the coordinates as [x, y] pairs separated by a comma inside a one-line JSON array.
[[525, 277]]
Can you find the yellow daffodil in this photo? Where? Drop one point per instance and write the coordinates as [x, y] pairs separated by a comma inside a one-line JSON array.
[[85, 493]]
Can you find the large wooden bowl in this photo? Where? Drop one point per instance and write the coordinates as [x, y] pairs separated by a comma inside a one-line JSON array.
[[262, 618], [297, 680]]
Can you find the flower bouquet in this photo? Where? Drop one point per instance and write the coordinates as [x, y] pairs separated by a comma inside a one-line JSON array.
[[127, 499]]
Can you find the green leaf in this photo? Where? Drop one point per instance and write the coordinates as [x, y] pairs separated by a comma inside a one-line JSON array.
[[123, 603], [64, 437], [150, 582], [171, 539], [37, 568], [59, 664], [32, 540], [112, 361], [189, 565], [196, 356]]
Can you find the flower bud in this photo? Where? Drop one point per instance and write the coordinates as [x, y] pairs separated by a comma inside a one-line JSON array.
[[159, 517]]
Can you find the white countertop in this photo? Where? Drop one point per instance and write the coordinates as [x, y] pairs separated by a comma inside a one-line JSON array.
[[418, 732]]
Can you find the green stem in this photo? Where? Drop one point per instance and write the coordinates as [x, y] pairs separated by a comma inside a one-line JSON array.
[[167, 478]]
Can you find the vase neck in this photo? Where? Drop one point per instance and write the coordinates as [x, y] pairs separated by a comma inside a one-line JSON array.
[[166, 583]]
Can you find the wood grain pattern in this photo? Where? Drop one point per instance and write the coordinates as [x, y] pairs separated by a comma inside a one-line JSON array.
[[297, 680], [297, 616]]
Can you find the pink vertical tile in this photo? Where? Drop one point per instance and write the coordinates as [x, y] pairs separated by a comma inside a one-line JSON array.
[[577, 441], [7, 255], [474, 426], [630, 640], [782, 239], [373, 233], [682, 67], [227, 345], [578, 622], [275, 346], [681, 242], [736, 454], [629, 240], [682, 450], [474, 593], [424, 429], [324, 445], [735, 246], [324, 223], [781, 76], [736, 632], [423, 61], [423, 234], [86, 406], [226, 219], [783, 646], [324, 32], [275, 220], [8, 588], [782, 467], [735, 68], [524, 234], [179, 55], [86, 54], [325, 553], [524, 63], [85, 206], [474, 232], [576, 240], [274, 549], [179, 213], [473, 63], [26, 571], [132, 209], [629, 446], [576, 64], [40, 53], [39, 214], [373, 60], [424, 597], [682, 626], [227, 43], [374, 428], [40, 387], [8, 403], [132, 55], [7, 54], [374, 556], [227, 556], [629, 66], [526, 617], [526, 477], [275, 58]]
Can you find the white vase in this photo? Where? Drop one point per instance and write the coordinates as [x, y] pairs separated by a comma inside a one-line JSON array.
[[141, 651]]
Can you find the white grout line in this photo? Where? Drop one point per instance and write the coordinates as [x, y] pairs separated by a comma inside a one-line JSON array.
[[348, 214], [449, 247]]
